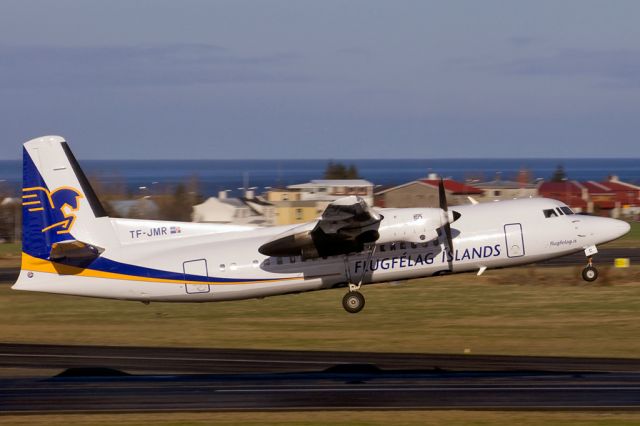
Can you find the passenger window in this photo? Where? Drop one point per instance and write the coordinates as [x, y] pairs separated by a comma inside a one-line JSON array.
[[414, 245], [255, 263], [222, 267], [567, 210], [382, 247], [279, 260], [292, 259], [403, 246], [267, 261], [233, 266], [392, 246], [550, 213]]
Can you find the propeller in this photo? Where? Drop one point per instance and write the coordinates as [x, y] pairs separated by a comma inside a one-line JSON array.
[[446, 222], [443, 206]]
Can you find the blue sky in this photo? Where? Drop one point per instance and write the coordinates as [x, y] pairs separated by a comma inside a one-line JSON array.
[[330, 79]]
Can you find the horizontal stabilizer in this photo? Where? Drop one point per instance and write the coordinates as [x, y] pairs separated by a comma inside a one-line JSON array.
[[74, 253]]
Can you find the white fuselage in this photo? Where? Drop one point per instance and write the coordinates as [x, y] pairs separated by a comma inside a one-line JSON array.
[[488, 235]]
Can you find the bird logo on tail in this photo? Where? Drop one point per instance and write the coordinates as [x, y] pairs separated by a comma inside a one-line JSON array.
[[58, 206]]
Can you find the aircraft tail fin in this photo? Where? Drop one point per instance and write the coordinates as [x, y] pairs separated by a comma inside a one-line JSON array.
[[58, 204]]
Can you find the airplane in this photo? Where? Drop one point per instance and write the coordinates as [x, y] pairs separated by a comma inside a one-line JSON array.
[[70, 246]]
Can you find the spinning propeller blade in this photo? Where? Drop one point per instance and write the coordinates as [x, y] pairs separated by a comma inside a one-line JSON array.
[[445, 209]]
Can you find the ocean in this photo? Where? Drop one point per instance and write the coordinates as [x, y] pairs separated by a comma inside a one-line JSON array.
[[216, 175]]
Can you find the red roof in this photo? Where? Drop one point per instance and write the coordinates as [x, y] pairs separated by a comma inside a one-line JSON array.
[[569, 192], [454, 186], [619, 186], [597, 188], [624, 193], [547, 189], [603, 194]]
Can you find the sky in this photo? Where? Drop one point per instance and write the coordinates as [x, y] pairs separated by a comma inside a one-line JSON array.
[[157, 79]]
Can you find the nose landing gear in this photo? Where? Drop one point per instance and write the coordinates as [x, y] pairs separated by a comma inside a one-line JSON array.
[[590, 273]]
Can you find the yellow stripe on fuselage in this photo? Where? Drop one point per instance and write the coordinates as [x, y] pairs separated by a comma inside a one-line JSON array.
[[35, 264]]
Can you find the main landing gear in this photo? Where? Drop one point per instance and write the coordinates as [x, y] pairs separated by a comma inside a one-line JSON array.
[[353, 301], [590, 273]]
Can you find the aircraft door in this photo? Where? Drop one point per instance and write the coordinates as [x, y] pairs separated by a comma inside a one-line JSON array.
[[514, 240], [195, 267]]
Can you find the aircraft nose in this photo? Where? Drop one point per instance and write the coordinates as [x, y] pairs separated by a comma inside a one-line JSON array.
[[616, 228]]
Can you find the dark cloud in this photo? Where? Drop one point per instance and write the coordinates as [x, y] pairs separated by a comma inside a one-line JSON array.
[[109, 66], [615, 67]]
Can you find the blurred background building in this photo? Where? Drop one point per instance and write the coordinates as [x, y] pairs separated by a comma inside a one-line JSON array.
[[424, 193]]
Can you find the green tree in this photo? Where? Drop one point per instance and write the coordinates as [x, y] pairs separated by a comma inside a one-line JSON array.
[[178, 206], [340, 171], [352, 172], [559, 174]]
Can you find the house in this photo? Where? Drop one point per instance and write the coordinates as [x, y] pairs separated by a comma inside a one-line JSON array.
[[627, 197], [260, 206], [139, 208], [295, 211], [608, 198], [570, 192], [324, 191], [499, 189], [424, 193], [306, 201], [613, 197], [247, 210], [283, 194], [599, 197]]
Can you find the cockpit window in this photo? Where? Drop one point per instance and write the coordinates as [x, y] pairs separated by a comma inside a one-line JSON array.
[[559, 211], [566, 210], [550, 213]]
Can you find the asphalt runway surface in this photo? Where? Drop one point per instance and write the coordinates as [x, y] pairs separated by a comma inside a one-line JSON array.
[[604, 257], [129, 379]]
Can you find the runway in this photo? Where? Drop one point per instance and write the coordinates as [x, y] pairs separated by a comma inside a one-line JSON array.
[[118, 379], [605, 256], [9, 275]]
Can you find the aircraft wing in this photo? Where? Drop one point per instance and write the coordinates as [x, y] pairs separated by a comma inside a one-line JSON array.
[[347, 218], [344, 227]]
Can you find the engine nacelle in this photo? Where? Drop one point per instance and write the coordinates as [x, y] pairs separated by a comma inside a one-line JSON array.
[[380, 227], [412, 225]]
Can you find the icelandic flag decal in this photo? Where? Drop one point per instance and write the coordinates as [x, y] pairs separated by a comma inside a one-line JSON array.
[[175, 230]]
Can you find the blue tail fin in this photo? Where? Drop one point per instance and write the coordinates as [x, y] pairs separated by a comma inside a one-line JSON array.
[[58, 203]]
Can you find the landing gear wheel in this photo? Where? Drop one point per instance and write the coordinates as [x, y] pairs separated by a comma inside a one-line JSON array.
[[353, 302], [590, 273]]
